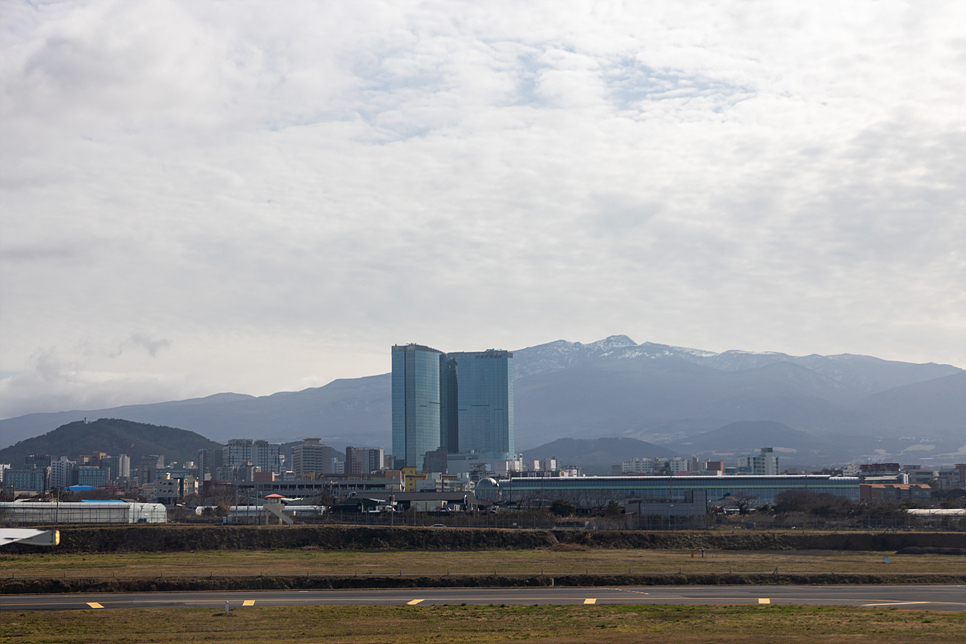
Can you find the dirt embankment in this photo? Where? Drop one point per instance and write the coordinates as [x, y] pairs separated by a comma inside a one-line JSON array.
[[108, 585], [173, 538], [754, 540]]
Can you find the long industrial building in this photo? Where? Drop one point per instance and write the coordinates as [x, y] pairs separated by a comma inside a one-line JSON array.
[[677, 495], [53, 513]]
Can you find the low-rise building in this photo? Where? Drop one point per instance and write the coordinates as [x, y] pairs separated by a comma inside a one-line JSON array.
[[167, 490], [410, 476], [893, 491], [363, 460], [62, 474], [762, 464], [337, 485], [28, 480], [592, 492], [952, 477], [91, 475], [916, 474], [867, 470], [312, 457]]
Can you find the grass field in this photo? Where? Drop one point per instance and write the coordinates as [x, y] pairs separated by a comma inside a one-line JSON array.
[[478, 624], [549, 562]]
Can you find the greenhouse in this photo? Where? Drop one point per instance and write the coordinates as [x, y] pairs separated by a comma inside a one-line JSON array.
[[54, 513]]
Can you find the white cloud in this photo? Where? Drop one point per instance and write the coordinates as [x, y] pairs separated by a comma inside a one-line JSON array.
[[232, 179], [51, 383]]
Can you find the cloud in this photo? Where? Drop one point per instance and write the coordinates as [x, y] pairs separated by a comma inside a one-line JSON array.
[[232, 180], [143, 341], [52, 383]]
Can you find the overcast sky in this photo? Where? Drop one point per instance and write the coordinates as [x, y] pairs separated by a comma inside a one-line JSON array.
[[201, 197]]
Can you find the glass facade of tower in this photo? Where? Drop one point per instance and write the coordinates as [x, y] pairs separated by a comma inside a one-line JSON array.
[[484, 398], [449, 412], [460, 401], [416, 410]]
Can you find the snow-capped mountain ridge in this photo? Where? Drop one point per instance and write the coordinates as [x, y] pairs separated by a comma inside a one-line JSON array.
[[863, 374]]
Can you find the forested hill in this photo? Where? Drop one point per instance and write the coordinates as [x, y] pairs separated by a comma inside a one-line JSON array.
[[113, 436]]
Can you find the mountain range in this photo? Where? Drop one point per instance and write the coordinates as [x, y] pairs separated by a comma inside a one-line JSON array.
[[656, 393]]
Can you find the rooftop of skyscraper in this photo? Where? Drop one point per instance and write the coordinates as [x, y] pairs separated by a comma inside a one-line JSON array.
[[414, 347]]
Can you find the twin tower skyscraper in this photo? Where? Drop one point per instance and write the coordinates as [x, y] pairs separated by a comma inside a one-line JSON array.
[[462, 402]]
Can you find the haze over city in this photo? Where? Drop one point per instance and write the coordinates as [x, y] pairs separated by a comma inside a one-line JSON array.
[[199, 198]]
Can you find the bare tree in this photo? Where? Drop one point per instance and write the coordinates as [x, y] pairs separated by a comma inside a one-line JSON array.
[[742, 500]]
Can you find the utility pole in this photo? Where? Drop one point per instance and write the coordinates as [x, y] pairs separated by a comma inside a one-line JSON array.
[[670, 499]]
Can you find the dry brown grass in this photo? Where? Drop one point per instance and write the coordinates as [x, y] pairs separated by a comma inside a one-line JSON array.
[[561, 560], [474, 624]]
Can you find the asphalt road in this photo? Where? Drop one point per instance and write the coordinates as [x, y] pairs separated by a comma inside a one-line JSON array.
[[925, 597]]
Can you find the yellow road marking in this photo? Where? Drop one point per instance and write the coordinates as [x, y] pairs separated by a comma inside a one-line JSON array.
[[414, 602], [94, 605], [248, 602], [764, 600], [590, 600], [893, 604]]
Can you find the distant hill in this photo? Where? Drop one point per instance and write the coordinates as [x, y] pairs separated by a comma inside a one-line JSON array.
[[114, 437], [748, 437], [595, 456], [918, 407]]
